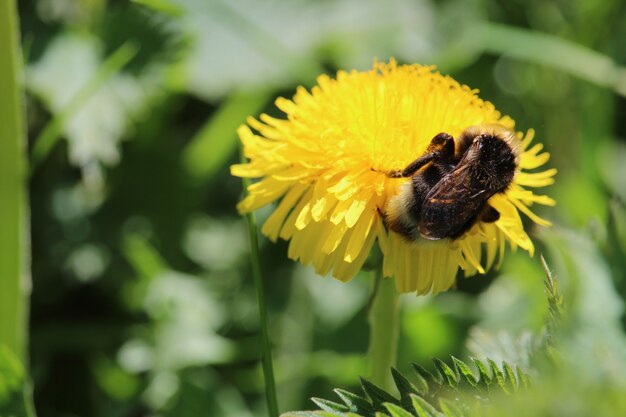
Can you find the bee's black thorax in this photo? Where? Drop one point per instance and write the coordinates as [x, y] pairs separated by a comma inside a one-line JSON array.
[[452, 182]]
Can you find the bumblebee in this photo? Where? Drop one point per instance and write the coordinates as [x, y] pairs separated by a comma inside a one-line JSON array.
[[451, 183]]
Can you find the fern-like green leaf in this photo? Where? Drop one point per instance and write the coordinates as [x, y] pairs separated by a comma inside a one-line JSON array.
[[449, 409], [511, 377], [424, 409], [484, 378], [355, 403], [438, 394], [464, 371], [426, 377], [406, 389], [330, 406], [397, 411], [498, 376], [378, 395], [450, 376]]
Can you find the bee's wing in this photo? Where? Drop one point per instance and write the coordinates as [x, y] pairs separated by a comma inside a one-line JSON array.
[[452, 206]]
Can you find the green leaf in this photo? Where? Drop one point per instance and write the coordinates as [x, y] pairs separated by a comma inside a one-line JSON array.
[[423, 408], [485, 377], [449, 409], [330, 406], [446, 372], [377, 395], [355, 403], [315, 414], [510, 375], [465, 371], [497, 374], [426, 376], [405, 388], [522, 377], [396, 411], [422, 381]]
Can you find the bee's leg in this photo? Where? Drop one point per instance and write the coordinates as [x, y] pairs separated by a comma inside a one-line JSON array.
[[489, 214], [441, 148]]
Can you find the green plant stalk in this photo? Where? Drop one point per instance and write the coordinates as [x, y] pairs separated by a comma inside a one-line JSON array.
[[266, 350], [384, 323], [51, 133], [14, 244]]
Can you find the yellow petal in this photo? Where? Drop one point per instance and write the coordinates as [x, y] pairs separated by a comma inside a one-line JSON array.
[[272, 225]]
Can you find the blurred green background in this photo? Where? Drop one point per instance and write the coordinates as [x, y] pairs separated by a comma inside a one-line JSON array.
[[143, 302]]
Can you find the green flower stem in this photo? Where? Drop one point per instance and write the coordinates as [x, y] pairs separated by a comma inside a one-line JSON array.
[[266, 351], [14, 242], [384, 322]]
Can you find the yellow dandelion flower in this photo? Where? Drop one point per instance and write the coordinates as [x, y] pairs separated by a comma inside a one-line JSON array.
[[328, 163]]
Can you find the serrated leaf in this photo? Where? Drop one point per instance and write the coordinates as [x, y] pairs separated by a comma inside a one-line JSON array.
[[465, 371], [426, 376], [522, 377], [422, 384], [405, 388], [499, 376], [377, 394], [396, 411], [424, 409], [317, 414], [485, 378], [330, 406], [354, 402], [446, 372], [449, 409], [510, 374]]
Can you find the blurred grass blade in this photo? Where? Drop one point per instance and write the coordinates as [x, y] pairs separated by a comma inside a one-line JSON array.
[[14, 245], [14, 242], [560, 54], [165, 7], [216, 141], [142, 256], [266, 350], [49, 136]]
